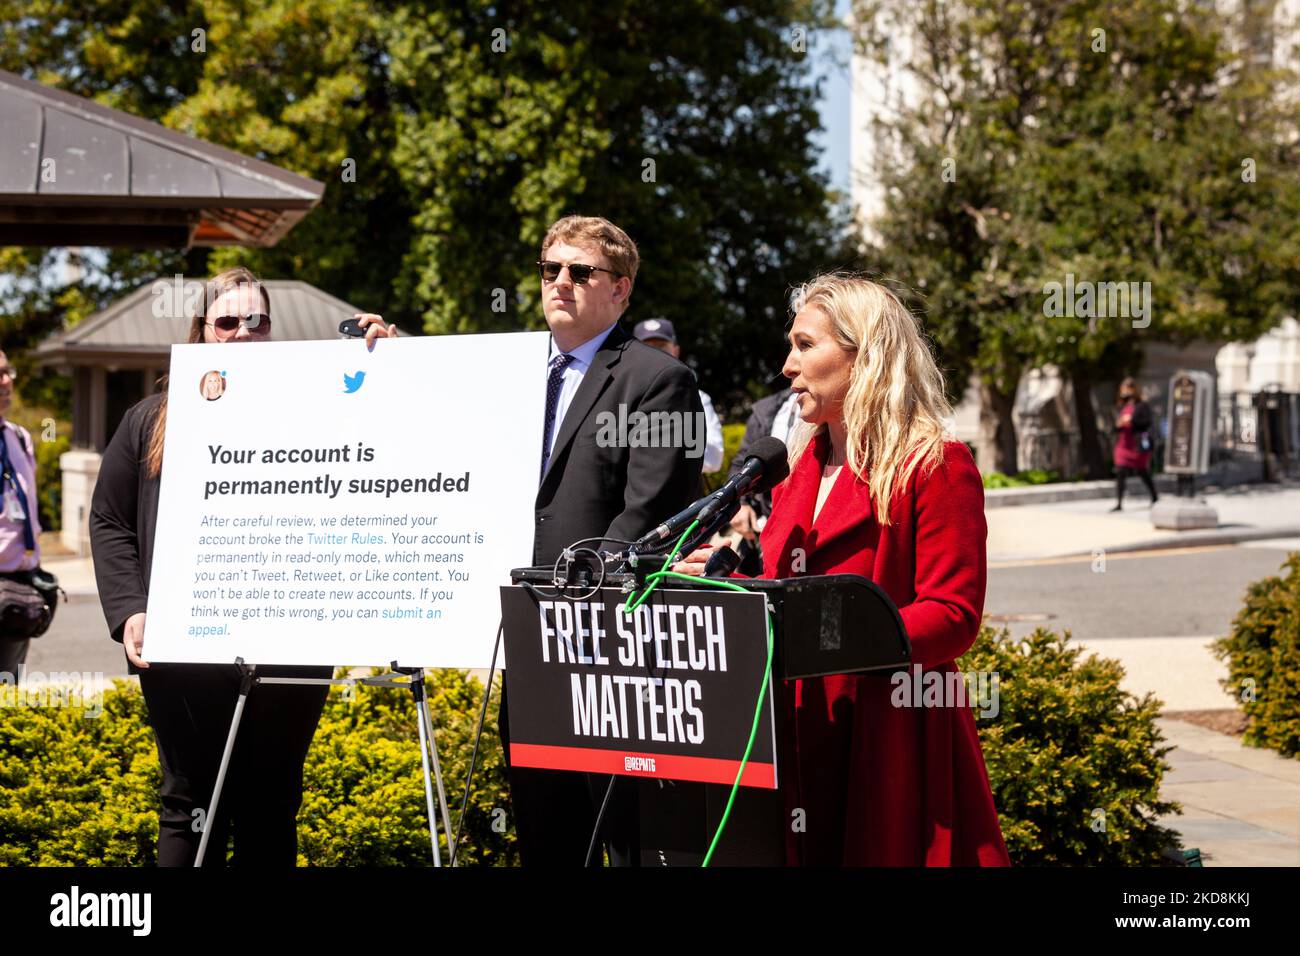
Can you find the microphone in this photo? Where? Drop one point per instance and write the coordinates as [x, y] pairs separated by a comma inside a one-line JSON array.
[[765, 465], [721, 563]]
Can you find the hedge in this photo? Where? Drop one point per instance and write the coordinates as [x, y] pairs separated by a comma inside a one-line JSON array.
[[1263, 656], [1074, 762]]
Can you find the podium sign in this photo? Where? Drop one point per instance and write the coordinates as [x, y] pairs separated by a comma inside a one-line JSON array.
[[667, 692]]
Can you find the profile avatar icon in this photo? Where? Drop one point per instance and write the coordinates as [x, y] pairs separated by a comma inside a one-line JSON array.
[[212, 385]]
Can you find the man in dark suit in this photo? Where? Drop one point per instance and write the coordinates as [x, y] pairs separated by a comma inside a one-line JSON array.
[[597, 484]]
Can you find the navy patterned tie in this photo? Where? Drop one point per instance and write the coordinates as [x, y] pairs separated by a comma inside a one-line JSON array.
[[553, 383]]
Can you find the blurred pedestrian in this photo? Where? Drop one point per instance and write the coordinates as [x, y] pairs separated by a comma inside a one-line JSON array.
[[1134, 440]]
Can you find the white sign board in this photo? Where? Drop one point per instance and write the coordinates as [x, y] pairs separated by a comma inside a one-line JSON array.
[[326, 504]]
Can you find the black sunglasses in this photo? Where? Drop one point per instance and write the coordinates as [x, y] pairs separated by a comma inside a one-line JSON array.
[[578, 272], [255, 322]]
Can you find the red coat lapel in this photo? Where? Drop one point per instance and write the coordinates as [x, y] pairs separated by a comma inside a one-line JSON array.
[[847, 508]]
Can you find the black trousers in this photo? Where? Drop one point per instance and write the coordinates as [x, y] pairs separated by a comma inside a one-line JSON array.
[[555, 813], [1121, 476], [190, 709]]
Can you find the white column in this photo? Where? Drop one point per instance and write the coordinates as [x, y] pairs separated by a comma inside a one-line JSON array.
[[80, 471]]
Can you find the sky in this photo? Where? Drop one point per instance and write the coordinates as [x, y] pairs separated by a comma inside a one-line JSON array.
[[830, 51]]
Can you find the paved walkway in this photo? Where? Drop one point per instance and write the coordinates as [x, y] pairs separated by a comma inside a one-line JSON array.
[[76, 575], [1031, 532], [1241, 805]]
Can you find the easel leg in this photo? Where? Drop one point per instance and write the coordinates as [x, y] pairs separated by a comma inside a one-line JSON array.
[[420, 705], [209, 820], [427, 748], [427, 720]]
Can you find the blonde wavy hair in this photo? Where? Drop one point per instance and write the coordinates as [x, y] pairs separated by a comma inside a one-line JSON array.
[[895, 408]]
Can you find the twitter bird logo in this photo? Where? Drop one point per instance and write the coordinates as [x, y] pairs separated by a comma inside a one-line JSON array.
[[353, 382]]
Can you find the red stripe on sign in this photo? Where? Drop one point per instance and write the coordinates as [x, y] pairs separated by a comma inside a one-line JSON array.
[[667, 766]]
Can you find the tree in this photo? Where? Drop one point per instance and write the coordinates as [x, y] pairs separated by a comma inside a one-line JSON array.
[[450, 135], [1094, 144], [688, 124]]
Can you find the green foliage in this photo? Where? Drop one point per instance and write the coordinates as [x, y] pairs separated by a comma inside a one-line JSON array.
[[1034, 153], [1065, 743], [77, 789], [1263, 657], [1034, 476], [49, 478], [615, 110], [364, 799], [732, 436], [83, 790], [471, 126]]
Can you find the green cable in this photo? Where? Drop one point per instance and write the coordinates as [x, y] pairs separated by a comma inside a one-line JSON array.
[[652, 582], [651, 579]]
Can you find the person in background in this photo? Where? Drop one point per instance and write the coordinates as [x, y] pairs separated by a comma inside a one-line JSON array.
[[20, 526], [191, 705], [1134, 440], [659, 333], [774, 415]]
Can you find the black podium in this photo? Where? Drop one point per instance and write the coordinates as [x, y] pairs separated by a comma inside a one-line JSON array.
[[822, 625]]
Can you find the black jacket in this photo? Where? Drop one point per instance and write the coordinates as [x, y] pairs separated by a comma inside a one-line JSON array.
[[761, 417], [123, 517], [590, 491]]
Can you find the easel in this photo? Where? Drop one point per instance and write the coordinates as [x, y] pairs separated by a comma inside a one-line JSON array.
[[412, 677]]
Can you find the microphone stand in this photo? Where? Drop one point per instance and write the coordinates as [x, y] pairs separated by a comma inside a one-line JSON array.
[[634, 562]]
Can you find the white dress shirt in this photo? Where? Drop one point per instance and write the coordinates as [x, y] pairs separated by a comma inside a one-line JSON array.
[[787, 416], [713, 446], [582, 357]]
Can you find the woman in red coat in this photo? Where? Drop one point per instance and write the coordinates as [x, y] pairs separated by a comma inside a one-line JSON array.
[[1133, 422], [880, 781]]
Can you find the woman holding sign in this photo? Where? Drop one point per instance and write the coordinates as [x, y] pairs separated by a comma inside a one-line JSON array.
[[191, 705], [884, 776]]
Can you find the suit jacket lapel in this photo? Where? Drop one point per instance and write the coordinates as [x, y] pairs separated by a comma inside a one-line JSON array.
[[593, 383]]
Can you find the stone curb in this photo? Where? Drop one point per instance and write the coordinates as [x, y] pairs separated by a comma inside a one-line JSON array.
[[1189, 539]]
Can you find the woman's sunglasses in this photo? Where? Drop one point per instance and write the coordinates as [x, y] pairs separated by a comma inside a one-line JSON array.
[[257, 323], [578, 272]]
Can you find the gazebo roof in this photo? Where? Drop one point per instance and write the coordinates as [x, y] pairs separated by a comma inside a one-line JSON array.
[[117, 180], [127, 334]]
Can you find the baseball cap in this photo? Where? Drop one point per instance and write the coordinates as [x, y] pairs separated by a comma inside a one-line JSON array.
[[654, 329]]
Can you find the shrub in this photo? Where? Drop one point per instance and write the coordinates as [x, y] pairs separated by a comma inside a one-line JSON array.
[[1034, 476], [732, 435], [1066, 743], [49, 480], [364, 788], [1263, 656], [77, 790], [84, 791]]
